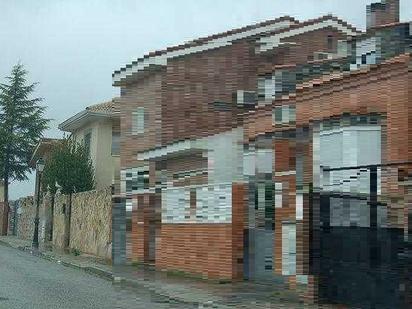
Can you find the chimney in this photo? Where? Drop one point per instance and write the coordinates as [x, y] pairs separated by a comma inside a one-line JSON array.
[[382, 13]]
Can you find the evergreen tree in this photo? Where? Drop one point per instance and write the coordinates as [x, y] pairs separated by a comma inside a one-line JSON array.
[[70, 168], [22, 124]]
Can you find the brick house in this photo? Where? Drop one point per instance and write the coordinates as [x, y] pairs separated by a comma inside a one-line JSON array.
[[337, 166], [240, 152], [181, 113]]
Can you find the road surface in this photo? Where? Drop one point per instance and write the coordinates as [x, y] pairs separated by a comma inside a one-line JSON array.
[[28, 281]]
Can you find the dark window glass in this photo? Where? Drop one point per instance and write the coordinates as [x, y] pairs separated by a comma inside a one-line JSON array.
[[115, 143], [330, 42]]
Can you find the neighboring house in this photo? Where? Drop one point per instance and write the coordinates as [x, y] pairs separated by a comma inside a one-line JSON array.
[[97, 128], [273, 152], [330, 159], [42, 151]]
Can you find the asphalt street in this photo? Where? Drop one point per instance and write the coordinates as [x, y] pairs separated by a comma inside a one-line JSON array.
[[28, 281]]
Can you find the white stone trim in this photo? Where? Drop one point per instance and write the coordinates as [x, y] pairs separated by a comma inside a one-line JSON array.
[[273, 41], [212, 44]]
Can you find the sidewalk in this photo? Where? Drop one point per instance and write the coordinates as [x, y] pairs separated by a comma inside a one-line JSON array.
[[83, 262], [207, 294], [174, 287]]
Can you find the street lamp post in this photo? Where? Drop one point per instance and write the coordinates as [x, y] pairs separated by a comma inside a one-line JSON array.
[[39, 170]]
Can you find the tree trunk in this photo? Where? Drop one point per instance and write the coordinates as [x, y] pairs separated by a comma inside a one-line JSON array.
[[52, 217], [5, 223], [69, 216]]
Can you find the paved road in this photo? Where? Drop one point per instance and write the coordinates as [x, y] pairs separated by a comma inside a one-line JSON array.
[[28, 281]]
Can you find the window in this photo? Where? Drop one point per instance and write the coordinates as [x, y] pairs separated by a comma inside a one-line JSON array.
[[138, 119], [135, 179], [288, 249], [330, 42], [87, 141], [285, 114], [246, 98], [115, 143]]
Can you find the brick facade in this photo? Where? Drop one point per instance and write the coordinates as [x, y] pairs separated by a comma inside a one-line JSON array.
[[180, 104], [190, 106]]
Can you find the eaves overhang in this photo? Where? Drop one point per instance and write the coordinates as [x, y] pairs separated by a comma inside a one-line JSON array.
[[274, 40], [81, 119]]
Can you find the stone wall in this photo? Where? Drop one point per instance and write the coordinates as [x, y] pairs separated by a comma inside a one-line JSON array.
[[91, 221], [90, 227], [90, 230], [59, 221], [12, 228], [26, 214], [45, 213]]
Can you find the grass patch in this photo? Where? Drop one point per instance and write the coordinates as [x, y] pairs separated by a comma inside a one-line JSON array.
[[76, 252]]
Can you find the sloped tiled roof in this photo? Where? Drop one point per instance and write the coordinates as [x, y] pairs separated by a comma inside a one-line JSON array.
[[108, 107], [105, 109]]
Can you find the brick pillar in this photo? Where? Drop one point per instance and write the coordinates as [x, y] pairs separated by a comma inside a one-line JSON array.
[[137, 234], [238, 222]]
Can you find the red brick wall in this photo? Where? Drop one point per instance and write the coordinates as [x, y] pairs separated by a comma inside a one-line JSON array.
[[143, 214], [213, 251], [146, 92], [306, 45], [384, 90], [203, 249], [194, 82], [178, 100], [238, 223]]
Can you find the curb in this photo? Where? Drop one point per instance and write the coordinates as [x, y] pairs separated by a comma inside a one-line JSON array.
[[6, 244], [198, 304], [136, 284]]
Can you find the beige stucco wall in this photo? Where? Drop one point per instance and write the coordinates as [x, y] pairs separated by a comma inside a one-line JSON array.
[[104, 163]]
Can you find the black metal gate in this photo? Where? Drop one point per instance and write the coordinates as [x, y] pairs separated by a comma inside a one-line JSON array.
[[364, 265]]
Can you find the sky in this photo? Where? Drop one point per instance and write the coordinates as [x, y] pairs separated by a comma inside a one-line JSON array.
[[71, 47]]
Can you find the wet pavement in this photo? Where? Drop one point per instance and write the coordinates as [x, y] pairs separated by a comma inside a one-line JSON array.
[[50, 284], [27, 281]]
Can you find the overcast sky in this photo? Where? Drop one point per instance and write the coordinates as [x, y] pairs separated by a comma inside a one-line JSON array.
[[71, 47]]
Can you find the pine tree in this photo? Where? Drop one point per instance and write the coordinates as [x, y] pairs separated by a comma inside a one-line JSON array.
[[22, 124]]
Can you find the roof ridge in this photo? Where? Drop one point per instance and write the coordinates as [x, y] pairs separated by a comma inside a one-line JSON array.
[[202, 40]]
